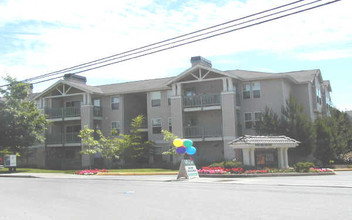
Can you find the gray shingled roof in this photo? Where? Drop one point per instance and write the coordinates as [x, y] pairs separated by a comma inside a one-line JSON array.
[[302, 76], [136, 86], [249, 139], [83, 86]]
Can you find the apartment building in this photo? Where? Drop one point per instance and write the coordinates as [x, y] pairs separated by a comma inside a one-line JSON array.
[[210, 106]]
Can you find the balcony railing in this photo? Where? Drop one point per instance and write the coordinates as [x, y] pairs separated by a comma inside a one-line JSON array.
[[60, 138], [63, 112], [202, 132], [97, 111], [202, 100]]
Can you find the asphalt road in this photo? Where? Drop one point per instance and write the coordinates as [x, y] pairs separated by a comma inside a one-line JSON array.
[[161, 197]]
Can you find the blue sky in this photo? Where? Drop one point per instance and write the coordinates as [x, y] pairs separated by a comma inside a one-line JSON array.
[[40, 36]]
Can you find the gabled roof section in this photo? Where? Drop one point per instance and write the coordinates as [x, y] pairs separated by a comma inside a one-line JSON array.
[[136, 86], [303, 76], [250, 140], [195, 68], [80, 86], [298, 77]]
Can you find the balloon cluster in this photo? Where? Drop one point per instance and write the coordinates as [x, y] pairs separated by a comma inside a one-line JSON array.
[[184, 146]]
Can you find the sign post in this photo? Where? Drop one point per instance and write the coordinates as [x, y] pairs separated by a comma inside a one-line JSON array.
[[10, 162], [187, 170]]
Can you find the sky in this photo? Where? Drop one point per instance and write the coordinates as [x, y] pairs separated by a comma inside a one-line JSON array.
[[40, 36]]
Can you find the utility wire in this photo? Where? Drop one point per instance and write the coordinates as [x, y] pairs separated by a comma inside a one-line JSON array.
[[100, 61], [153, 44]]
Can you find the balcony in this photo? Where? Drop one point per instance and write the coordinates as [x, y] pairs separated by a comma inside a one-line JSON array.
[[202, 132], [61, 138], [204, 100], [54, 113]]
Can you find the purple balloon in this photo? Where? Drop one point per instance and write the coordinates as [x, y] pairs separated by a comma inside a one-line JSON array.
[[180, 150]]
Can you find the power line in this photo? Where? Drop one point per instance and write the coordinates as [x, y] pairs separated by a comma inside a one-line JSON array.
[[108, 58], [156, 48]]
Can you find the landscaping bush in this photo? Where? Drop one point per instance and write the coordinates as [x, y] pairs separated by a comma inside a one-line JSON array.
[[226, 164], [303, 167]]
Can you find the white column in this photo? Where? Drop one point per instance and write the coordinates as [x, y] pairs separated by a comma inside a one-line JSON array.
[[280, 158], [174, 90], [178, 89], [252, 157], [224, 85], [229, 84], [246, 158], [285, 158]]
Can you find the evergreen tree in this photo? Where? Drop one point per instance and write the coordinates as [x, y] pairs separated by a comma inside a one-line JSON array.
[[295, 124], [324, 151]]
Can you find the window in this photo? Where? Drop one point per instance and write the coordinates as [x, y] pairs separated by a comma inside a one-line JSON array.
[[170, 124], [246, 91], [318, 95], [257, 117], [248, 120], [73, 104], [96, 102], [115, 103], [156, 125], [155, 98], [116, 125], [256, 89], [73, 129], [169, 94]]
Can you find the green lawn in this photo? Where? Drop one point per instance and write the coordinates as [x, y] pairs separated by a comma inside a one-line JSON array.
[[31, 170]]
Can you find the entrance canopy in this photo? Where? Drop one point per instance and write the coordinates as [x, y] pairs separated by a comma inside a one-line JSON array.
[[248, 144]]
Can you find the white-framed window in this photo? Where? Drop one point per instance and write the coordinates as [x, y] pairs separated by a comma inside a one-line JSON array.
[[169, 95], [156, 125], [246, 91], [318, 91], [116, 125], [170, 124], [115, 103], [155, 98], [257, 117], [97, 102], [248, 120], [256, 89]]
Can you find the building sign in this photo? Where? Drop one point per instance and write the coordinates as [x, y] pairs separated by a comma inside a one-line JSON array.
[[10, 161], [187, 170]]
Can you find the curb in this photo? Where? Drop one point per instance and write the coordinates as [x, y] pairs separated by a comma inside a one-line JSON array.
[[18, 176], [343, 169], [263, 175], [137, 174]]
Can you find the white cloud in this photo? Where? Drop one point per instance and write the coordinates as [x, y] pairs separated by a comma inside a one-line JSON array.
[[85, 30]]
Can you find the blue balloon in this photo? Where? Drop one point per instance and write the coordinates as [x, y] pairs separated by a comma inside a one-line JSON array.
[[191, 150], [187, 143], [180, 150]]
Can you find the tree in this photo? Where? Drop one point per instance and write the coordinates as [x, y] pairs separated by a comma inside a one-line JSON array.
[[130, 147], [135, 149], [108, 147], [324, 151], [169, 137], [269, 123], [292, 123], [22, 124]]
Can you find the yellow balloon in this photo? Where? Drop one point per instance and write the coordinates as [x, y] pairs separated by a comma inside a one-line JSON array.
[[178, 142]]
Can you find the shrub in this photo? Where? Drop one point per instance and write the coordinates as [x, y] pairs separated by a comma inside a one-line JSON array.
[[226, 164], [303, 167]]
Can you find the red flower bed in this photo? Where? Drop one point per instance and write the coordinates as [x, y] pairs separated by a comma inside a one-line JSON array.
[[90, 172], [221, 170]]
